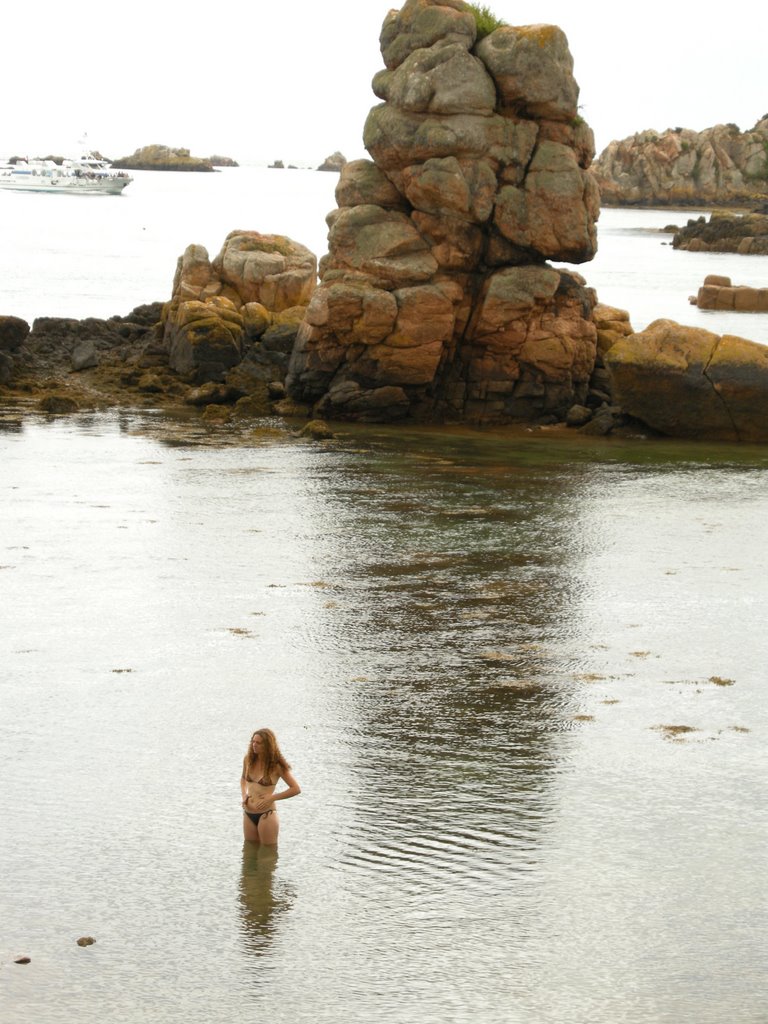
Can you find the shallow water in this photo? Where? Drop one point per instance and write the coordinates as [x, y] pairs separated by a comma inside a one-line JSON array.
[[469, 645]]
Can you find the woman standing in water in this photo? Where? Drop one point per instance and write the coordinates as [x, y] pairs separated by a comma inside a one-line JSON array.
[[263, 767]]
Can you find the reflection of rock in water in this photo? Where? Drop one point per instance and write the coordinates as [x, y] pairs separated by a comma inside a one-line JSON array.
[[262, 901]]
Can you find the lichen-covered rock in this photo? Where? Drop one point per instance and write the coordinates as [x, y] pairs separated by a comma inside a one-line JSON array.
[[436, 301], [424, 23], [533, 70], [204, 338], [720, 165], [612, 325], [688, 382], [245, 303]]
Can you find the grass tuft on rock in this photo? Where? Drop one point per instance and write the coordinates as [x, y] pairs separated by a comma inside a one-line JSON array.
[[485, 20]]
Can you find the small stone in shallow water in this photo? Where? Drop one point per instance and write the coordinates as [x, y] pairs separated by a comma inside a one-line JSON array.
[[86, 940], [58, 404], [23, 960], [317, 430], [719, 681]]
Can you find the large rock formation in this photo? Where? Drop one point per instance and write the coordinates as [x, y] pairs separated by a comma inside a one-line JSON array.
[[746, 235], [242, 308], [680, 167], [436, 299], [688, 382]]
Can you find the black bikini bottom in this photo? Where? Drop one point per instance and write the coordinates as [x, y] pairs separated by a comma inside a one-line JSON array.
[[255, 817]]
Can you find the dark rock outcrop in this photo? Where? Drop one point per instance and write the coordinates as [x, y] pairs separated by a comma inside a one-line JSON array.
[[746, 235], [436, 298], [678, 167]]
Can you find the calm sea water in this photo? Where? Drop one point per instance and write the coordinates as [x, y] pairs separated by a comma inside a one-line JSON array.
[[520, 679], [101, 255]]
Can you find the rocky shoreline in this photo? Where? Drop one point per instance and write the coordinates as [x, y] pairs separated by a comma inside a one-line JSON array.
[[720, 166]]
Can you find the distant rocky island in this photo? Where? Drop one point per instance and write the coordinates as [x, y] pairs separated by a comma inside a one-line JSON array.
[[335, 162], [720, 166], [164, 158]]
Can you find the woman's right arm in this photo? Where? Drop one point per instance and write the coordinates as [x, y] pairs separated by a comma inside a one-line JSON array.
[[243, 784]]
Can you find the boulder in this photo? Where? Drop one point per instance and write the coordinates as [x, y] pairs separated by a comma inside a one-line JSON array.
[[688, 382], [612, 325], [58, 404], [532, 68], [84, 356], [246, 302], [204, 338], [13, 333]]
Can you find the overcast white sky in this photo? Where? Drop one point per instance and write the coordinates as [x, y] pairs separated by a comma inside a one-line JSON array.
[[290, 79]]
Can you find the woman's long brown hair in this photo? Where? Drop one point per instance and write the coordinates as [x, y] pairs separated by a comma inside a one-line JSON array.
[[271, 756]]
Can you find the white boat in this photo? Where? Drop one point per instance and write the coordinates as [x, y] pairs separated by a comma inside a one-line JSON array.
[[86, 175]]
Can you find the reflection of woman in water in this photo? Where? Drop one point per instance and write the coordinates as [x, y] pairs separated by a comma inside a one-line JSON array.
[[263, 767], [264, 899]]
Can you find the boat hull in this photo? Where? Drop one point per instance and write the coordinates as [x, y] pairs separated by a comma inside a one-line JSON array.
[[83, 177]]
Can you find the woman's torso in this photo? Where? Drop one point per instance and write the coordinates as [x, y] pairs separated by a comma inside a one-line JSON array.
[[259, 785]]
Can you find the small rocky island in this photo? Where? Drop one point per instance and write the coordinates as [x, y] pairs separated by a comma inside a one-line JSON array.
[[719, 293], [164, 158], [334, 162], [720, 166], [746, 234]]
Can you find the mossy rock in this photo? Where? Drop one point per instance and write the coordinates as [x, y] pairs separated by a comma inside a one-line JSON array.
[[57, 404]]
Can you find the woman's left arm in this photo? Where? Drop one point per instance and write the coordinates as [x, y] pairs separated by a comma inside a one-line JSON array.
[[293, 787]]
